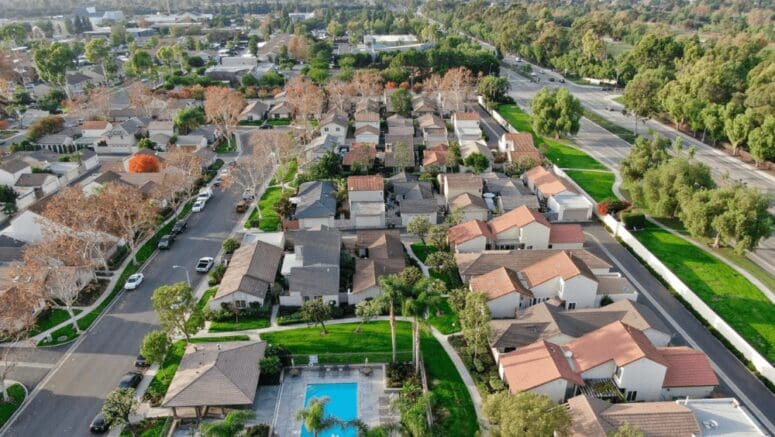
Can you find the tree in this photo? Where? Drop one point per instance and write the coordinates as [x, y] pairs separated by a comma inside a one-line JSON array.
[[402, 102], [63, 284], [142, 98], [52, 61], [230, 245], [494, 89], [189, 118], [419, 227], [640, 94], [47, 125], [340, 95], [441, 261], [626, 430], [223, 107], [744, 219], [19, 303], [144, 163], [231, 425], [317, 312], [592, 46], [315, 418], [737, 129], [97, 50], [393, 294], [761, 141], [423, 296], [459, 83], [367, 83], [366, 310], [140, 63], [475, 321], [556, 112], [328, 166], [403, 155], [413, 405], [118, 406], [664, 189], [155, 346], [127, 213], [437, 236], [306, 99], [643, 156], [457, 299], [477, 161], [525, 414], [182, 169], [177, 309]]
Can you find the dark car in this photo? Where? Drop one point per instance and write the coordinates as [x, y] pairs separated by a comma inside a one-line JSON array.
[[98, 425], [179, 227], [551, 79], [130, 380], [140, 361], [166, 241], [562, 80]]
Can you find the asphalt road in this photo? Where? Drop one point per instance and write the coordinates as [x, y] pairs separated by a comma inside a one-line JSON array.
[[74, 390]]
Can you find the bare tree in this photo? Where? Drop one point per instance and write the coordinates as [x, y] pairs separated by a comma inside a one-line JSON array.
[[18, 302], [367, 83], [145, 100], [130, 215], [458, 82], [181, 171], [223, 107], [90, 106], [298, 47], [306, 99], [251, 169], [63, 285], [340, 95]]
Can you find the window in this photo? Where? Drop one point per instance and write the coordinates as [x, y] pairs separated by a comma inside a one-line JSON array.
[[325, 129], [306, 298], [631, 396], [240, 304], [618, 373], [571, 305]]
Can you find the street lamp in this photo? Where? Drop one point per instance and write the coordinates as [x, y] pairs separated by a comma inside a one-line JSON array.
[[188, 278]]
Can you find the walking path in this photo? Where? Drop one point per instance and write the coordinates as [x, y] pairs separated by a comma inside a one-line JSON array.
[[423, 267]]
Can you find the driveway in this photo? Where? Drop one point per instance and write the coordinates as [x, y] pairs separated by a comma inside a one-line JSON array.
[[73, 392]]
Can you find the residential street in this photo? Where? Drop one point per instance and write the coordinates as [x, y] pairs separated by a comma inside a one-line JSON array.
[[74, 390]]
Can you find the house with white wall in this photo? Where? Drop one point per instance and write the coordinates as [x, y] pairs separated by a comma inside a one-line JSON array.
[[366, 197], [335, 125], [466, 126], [315, 204], [366, 118], [379, 253], [249, 277], [11, 169], [312, 269]]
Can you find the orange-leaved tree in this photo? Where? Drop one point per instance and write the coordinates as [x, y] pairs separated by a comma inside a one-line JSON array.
[[143, 163]]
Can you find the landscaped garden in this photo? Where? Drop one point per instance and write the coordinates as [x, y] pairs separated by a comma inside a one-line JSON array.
[[450, 278], [16, 393], [268, 219], [444, 318], [726, 291]]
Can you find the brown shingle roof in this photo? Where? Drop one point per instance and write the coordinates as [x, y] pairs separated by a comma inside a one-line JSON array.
[[467, 116], [217, 374], [366, 116], [517, 217], [468, 231], [368, 271], [535, 365], [252, 270], [381, 243], [535, 173], [94, 124], [499, 283], [360, 152], [566, 234], [365, 183], [687, 367]]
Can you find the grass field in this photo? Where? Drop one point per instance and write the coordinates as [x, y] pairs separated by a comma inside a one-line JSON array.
[[457, 418], [728, 293], [241, 324], [270, 220], [16, 392], [597, 184], [452, 280], [447, 322], [49, 319]]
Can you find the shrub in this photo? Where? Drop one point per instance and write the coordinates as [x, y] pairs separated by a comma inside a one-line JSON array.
[[271, 366], [606, 300], [144, 163], [230, 245], [496, 384], [216, 274], [633, 220], [399, 373], [260, 430], [612, 206]]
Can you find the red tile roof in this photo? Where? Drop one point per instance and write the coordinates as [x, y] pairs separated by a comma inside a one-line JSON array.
[[687, 367], [535, 365], [615, 342], [468, 231], [365, 183], [566, 234], [498, 283], [360, 152], [517, 217]]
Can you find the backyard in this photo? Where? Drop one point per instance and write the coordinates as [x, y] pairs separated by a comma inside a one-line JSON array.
[[451, 279], [727, 292]]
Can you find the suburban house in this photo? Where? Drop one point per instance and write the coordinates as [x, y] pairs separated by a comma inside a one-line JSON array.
[[312, 269], [315, 204], [399, 125], [455, 184], [216, 375], [360, 155], [466, 125], [569, 207], [256, 110], [434, 135], [319, 146], [366, 118], [547, 321], [469, 206], [616, 362], [336, 126], [367, 134], [379, 253], [423, 105], [468, 147], [519, 147], [414, 199], [12, 169], [436, 156], [470, 236], [560, 196], [399, 152], [161, 127], [366, 197], [43, 183], [506, 194], [281, 111], [575, 277], [121, 138], [95, 128], [191, 143], [57, 143], [249, 277]]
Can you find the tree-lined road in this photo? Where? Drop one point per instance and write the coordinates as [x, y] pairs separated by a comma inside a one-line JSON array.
[[73, 393]]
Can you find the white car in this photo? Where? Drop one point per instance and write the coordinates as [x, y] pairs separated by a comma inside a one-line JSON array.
[[134, 281], [199, 205], [204, 264]]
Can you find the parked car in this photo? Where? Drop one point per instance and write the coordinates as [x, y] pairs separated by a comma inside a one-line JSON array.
[[140, 361], [165, 242], [217, 181], [205, 264], [551, 79], [179, 227], [134, 281], [203, 197], [248, 194], [241, 207], [205, 193], [130, 380], [562, 80], [99, 425], [199, 205]]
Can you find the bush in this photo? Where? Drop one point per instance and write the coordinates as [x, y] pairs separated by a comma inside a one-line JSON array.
[[216, 274], [260, 430], [230, 245], [612, 206], [271, 366], [496, 384], [399, 373], [633, 220]]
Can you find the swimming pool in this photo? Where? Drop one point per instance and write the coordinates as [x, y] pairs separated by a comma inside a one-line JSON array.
[[342, 404]]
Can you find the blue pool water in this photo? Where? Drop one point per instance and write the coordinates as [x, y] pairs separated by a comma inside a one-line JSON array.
[[342, 404]]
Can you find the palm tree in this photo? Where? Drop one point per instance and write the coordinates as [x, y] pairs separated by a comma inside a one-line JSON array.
[[230, 426], [426, 296], [384, 430], [314, 416], [393, 295]]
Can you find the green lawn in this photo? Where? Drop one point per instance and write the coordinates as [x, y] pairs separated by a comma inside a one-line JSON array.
[[452, 280], [562, 155], [619, 100], [455, 411], [597, 184], [49, 319], [728, 293], [270, 220], [206, 297], [226, 146], [280, 122], [447, 322], [161, 381], [147, 428], [423, 250], [16, 392], [241, 325]]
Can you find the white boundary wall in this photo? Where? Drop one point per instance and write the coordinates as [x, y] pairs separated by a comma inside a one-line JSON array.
[[759, 362]]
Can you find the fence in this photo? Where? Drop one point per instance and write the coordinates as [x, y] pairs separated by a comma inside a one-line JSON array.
[[497, 116], [759, 362]]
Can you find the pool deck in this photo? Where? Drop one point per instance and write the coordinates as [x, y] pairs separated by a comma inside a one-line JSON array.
[[288, 398]]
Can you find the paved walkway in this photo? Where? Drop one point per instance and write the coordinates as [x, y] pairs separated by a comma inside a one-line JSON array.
[[423, 267]]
